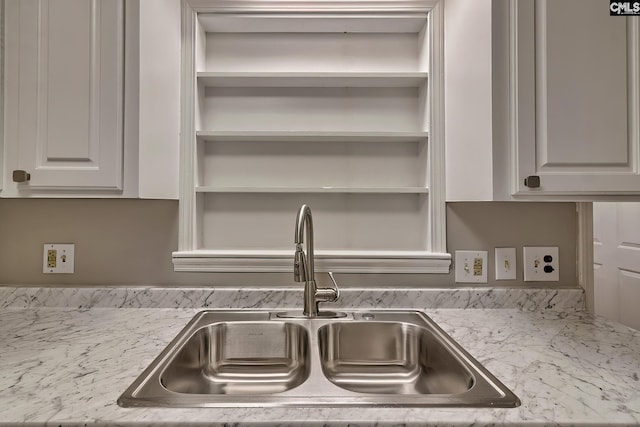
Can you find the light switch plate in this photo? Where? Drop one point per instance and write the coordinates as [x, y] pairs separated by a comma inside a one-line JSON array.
[[471, 266], [58, 258], [505, 263], [541, 264]]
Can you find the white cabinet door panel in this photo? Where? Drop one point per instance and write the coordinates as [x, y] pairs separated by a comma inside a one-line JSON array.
[[577, 98], [579, 78], [69, 127]]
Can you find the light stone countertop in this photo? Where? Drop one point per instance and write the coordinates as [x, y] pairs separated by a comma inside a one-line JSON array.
[[66, 366]]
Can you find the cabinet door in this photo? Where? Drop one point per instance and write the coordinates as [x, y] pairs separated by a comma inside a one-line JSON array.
[[576, 98], [64, 94]]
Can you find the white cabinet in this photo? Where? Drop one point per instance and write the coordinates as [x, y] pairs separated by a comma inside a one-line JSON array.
[[64, 94], [564, 96], [328, 110], [577, 77]]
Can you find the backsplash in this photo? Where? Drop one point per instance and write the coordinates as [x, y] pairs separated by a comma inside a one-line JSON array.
[[128, 242], [287, 298]]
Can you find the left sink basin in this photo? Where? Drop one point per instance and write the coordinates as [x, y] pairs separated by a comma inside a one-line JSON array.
[[224, 355], [240, 358]]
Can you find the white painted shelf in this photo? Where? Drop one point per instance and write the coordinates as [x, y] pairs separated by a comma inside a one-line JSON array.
[[309, 136], [344, 190], [311, 79]]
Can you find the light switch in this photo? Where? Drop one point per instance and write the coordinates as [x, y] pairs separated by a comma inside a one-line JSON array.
[[505, 263]]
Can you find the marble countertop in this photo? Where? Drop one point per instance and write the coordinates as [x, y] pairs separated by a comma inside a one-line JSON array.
[[66, 366]]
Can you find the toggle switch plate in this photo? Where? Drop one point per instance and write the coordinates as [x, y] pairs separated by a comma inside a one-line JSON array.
[[471, 266], [58, 258], [505, 263]]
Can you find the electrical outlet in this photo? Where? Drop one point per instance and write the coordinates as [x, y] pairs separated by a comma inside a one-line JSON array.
[[505, 263], [58, 258], [541, 264], [471, 266]]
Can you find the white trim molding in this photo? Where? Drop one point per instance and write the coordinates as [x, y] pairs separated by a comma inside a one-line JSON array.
[[187, 232], [302, 6], [335, 261], [585, 252], [437, 188]]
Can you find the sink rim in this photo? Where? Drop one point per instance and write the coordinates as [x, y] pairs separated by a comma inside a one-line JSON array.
[[317, 390]]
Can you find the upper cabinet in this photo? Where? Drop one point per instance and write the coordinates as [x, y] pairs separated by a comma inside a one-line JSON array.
[[64, 95], [89, 112], [563, 91], [576, 82]]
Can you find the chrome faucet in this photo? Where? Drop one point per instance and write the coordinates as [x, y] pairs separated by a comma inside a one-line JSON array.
[[303, 266]]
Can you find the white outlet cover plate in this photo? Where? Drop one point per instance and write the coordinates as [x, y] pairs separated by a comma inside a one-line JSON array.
[[64, 258], [505, 263], [471, 266], [534, 263]]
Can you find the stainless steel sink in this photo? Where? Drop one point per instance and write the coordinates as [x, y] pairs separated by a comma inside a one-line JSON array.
[[256, 358]]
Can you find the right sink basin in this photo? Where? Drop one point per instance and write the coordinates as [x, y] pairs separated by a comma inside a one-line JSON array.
[[390, 358]]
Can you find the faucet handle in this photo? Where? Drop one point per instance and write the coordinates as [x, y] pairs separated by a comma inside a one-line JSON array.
[[328, 294], [335, 285]]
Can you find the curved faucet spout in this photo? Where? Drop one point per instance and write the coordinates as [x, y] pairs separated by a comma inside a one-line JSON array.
[[304, 222], [303, 267]]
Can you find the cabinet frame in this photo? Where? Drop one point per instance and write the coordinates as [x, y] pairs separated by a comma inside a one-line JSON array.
[[188, 257]]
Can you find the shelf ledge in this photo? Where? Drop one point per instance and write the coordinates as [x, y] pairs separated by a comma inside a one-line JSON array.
[[321, 190], [311, 79], [278, 261], [390, 16], [309, 136]]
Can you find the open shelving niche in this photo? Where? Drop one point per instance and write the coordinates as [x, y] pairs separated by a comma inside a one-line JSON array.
[[331, 111]]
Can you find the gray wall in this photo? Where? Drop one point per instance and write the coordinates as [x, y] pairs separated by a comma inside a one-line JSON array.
[[129, 242]]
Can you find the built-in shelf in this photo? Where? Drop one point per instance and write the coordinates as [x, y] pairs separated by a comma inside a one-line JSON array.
[[309, 136], [311, 79], [345, 190], [327, 109]]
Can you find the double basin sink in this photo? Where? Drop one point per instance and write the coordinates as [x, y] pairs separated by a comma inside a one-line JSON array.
[[364, 358]]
